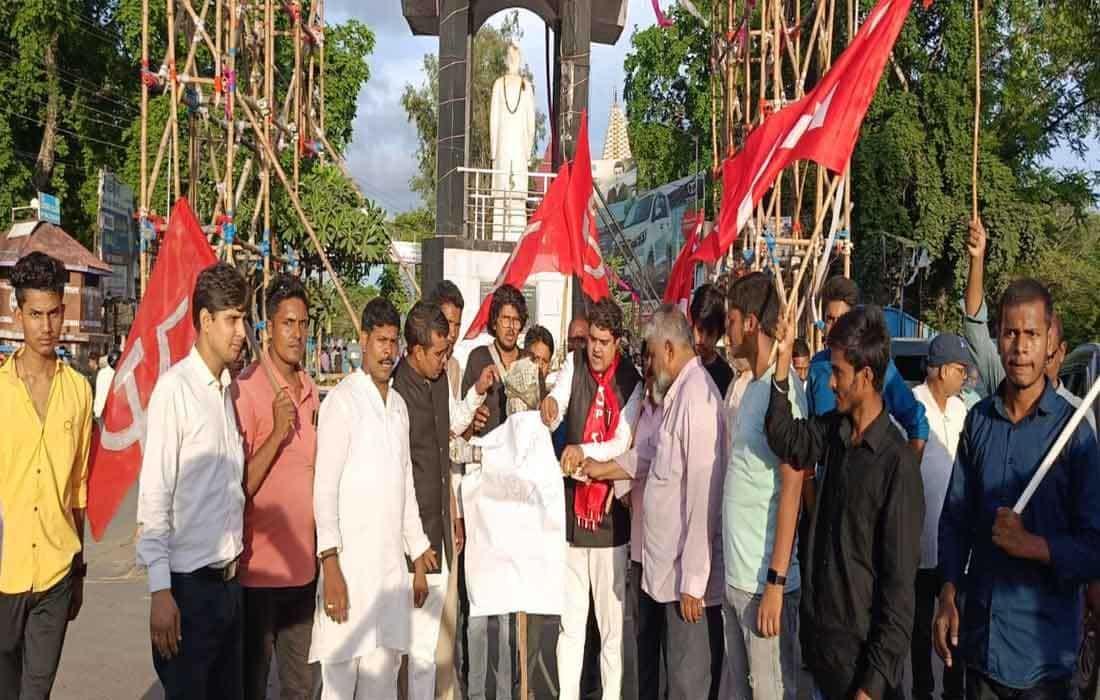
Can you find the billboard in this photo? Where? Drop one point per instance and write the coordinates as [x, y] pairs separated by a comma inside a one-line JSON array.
[[651, 224], [117, 235]]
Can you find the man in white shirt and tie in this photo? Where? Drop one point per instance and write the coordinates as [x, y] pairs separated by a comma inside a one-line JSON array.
[[191, 503]]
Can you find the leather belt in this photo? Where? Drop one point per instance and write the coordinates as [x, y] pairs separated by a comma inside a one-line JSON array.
[[217, 573]]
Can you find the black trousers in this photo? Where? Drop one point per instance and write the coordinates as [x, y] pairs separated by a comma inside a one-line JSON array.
[[979, 687], [649, 625], [279, 620], [211, 660], [32, 632], [924, 682]]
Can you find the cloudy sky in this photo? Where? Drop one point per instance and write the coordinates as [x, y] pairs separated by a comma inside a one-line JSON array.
[[383, 150]]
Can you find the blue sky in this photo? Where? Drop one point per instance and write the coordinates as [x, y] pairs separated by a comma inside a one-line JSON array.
[[382, 155]]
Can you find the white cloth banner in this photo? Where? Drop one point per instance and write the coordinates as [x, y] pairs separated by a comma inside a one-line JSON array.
[[515, 522]]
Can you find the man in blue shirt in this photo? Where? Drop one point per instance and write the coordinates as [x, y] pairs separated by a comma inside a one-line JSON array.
[[838, 297], [1021, 625]]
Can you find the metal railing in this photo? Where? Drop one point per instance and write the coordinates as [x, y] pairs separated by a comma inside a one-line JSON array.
[[500, 214]]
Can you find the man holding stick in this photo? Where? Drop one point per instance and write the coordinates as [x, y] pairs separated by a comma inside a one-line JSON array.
[[1022, 621]]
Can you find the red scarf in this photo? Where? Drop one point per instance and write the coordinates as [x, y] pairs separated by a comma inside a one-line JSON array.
[[603, 417]]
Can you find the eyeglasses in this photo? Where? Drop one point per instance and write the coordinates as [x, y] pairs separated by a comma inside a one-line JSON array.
[[512, 321]]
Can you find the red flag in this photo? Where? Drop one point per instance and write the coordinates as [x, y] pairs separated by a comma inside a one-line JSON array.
[[543, 247], [822, 126], [161, 335], [681, 278], [580, 216]]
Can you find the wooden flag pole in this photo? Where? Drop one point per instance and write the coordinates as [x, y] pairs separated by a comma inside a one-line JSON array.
[[977, 109]]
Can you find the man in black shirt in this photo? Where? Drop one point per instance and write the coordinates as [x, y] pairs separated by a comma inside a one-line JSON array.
[[864, 545], [708, 321], [507, 317]]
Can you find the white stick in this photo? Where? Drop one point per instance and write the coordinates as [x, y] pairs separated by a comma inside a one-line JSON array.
[[1048, 461]]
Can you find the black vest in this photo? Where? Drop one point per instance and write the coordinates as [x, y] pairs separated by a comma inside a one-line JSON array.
[[429, 437], [614, 529]]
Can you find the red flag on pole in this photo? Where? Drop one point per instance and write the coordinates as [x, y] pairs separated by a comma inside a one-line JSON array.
[[822, 126], [681, 278], [543, 247], [580, 216], [161, 335]]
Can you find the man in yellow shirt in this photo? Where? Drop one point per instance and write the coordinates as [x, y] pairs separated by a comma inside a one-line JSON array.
[[43, 485]]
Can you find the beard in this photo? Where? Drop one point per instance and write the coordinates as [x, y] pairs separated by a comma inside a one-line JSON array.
[[661, 384]]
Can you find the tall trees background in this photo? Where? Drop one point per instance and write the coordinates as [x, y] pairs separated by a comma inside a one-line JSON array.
[[911, 168]]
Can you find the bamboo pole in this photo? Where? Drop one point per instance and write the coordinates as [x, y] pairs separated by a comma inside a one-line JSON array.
[[352, 181], [174, 94], [293, 195], [230, 80], [143, 195], [977, 109], [297, 92], [269, 98], [166, 134]]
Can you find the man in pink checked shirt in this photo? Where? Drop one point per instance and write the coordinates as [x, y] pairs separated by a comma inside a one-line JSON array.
[[681, 533]]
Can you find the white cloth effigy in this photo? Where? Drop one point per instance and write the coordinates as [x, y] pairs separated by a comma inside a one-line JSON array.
[[515, 522]]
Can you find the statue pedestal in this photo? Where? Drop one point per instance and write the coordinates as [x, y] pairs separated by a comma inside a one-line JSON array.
[[473, 265]]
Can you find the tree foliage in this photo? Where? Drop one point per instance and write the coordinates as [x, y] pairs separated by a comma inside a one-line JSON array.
[[668, 97], [911, 171], [92, 76], [421, 104]]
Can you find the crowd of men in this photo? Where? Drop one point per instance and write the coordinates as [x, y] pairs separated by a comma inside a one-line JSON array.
[[788, 513]]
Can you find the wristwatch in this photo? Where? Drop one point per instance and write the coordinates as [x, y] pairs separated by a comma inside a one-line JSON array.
[[775, 579]]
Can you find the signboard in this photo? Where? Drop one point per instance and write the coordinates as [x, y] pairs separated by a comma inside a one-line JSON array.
[[49, 208], [651, 223], [117, 235]]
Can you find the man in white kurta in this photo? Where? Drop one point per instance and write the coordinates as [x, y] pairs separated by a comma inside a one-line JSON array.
[[367, 522]]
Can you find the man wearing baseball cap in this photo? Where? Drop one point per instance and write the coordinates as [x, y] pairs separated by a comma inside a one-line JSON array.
[[949, 361]]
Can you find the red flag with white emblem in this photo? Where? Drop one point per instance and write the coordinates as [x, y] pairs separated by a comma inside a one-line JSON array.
[[580, 215], [822, 126], [161, 335], [543, 247], [681, 278]]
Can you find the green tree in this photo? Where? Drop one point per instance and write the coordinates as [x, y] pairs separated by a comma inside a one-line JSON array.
[[668, 98], [911, 170], [421, 104]]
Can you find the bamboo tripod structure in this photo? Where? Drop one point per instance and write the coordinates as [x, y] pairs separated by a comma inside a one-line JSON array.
[[242, 111], [763, 56]]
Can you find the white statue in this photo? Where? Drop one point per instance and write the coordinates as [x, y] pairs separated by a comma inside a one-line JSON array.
[[511, 139]]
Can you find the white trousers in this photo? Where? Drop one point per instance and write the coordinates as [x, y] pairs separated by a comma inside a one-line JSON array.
[[369, 677], [603, 571], [425, 637]]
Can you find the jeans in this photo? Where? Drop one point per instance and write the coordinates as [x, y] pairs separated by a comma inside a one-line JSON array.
[[980, 687], [210, 663], [760, 667], [693, 662], [32, 632]]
